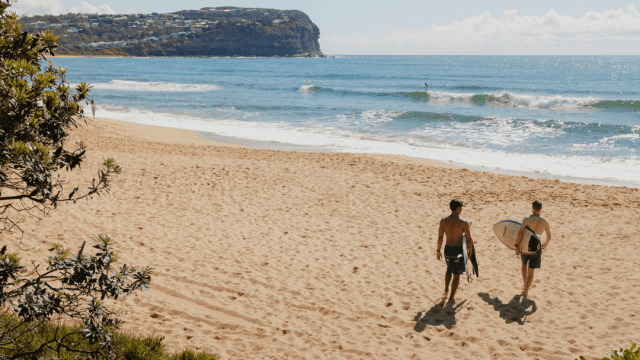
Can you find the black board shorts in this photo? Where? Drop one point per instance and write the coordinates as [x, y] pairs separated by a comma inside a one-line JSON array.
[[534, 260], [455, 261]]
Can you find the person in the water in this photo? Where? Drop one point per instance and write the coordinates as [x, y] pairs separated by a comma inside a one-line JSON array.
[[454, 227]]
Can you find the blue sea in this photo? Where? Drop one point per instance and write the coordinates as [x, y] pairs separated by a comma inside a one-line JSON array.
[[571, 118]]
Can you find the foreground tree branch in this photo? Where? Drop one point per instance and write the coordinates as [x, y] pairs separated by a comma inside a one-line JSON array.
[[38, 110], [71, 289]]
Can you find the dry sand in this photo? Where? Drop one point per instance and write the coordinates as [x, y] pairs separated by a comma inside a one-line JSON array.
[[263, 254]]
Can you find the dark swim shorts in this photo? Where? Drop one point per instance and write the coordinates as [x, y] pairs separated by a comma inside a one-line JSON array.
[[454, 259], [534, 260]]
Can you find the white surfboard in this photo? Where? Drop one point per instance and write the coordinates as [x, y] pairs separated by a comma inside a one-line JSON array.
[[507, 232], [466, 259]]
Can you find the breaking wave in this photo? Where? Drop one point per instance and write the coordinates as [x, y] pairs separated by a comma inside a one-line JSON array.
[[307, 88], [508, 99]]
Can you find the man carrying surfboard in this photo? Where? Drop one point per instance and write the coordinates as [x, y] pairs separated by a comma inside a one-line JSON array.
[[454, 227], [537, 224]]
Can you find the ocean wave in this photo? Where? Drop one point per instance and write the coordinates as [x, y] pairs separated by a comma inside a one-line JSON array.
[[508, 99], [539, 102], [127, 85], [633, 105], [308, 88]]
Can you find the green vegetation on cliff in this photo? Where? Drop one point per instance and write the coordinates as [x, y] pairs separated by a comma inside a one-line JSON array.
[[221, 31]]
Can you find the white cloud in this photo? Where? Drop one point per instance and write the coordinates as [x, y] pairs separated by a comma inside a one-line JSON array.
[[608, 32], [86, 8], [131, 10], [37, 7]]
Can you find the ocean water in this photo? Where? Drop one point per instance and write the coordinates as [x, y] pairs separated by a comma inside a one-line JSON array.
[[572, 118]]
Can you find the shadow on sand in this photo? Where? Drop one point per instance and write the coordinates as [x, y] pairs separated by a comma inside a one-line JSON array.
[[515, 310], [439, 314]]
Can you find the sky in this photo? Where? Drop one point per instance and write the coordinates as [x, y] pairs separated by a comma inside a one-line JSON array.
[[427, 27]]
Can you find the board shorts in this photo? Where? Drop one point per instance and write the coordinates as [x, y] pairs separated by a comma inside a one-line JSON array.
[[455, 261], [534, 260]]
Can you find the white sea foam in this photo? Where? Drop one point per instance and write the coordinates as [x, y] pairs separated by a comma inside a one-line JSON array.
[[126, 85], [307, 88], [541, 102], [579, 168], [633, 137], [496, 131], [519, 100], [445, 96], [380, 116]]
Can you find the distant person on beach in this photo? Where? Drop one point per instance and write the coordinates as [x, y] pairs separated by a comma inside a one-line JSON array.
[[93, 108], [537, 224], [454, 227]]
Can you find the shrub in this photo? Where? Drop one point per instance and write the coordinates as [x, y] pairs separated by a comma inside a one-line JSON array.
[[38, 109], [126, 347], [70, 289], [622, 354]]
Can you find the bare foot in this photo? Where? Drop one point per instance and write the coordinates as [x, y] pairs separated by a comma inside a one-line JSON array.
[[525, 294], [451, 301], [445, 293]]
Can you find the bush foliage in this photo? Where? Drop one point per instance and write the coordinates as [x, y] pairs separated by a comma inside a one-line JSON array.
[[126, 346], [622, 354], [38, 110], [70, 289]]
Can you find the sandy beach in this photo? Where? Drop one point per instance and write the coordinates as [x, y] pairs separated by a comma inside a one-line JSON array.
[[267, 254]]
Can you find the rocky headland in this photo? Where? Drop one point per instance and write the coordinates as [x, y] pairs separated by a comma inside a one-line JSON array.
[[221, 31]]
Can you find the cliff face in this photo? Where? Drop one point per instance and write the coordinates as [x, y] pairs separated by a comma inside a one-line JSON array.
[[296, 39], [221, 31]]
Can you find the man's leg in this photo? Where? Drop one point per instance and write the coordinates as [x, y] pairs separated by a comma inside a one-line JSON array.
[[447, 280], [525, 272], [454, 287], [529, 281]]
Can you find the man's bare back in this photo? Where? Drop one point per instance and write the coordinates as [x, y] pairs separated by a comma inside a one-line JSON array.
[[538, 224], [454, 228]]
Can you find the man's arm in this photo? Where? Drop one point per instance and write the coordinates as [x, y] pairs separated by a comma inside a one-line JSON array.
[[440, 239], [547, 230]]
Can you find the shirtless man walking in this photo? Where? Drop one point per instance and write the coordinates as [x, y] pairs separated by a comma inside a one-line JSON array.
[[454, 227], [537, 224]]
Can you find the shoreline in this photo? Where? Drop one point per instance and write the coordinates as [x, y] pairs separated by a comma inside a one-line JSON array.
[[274, 145]]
